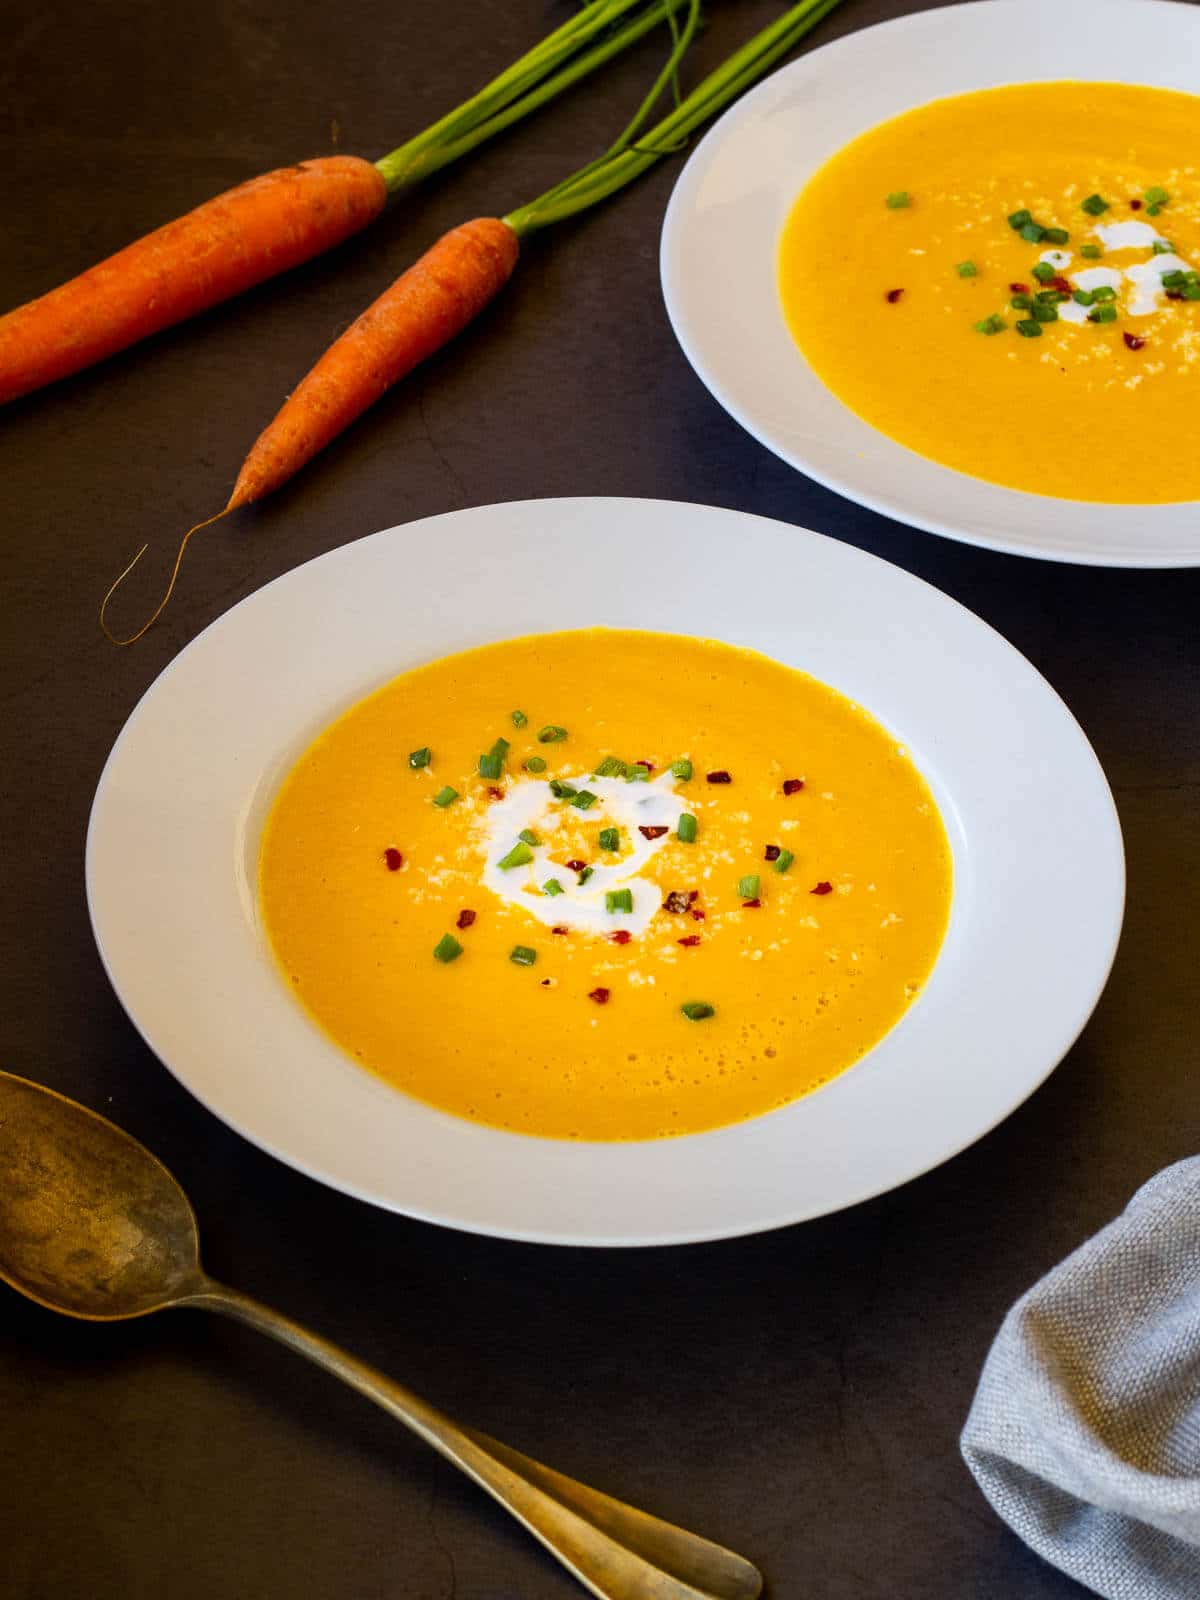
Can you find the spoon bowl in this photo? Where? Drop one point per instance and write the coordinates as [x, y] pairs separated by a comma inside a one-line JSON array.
[[94, 1226]]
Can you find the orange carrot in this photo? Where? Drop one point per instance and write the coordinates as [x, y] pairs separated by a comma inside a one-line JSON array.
[[426, 306], [221, 248]]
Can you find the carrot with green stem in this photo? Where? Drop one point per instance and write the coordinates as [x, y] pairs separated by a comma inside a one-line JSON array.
[[463, 272], [282, 218]]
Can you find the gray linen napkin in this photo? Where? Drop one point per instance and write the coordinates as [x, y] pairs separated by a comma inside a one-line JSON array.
[[1085, 1429]]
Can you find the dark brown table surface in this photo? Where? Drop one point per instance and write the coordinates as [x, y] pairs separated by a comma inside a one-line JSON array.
[[797, 1395]]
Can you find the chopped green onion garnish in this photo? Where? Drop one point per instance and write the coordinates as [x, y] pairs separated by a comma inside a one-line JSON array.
[[519, 856], [447, 948], [535, 764], [1090, 252], [561, 790], [784, 860], [551, 734], [522, 955], [611, 767], [681, 768], [636, 774], [1044, 313], [966, 269], [420, 758], [527, 836], [584, 874], [1104, 292], [519, 719], [1102, 314], [1043, 271], [1020, 302], [490, 766], [1084, 297], [697, 1010], [584, 800], [1094, 205], [1152, 211], [686, 831], [445, 797], [1029, 329], [1156, 196], [992, 324], [1055, 235], [897, 200], [1191, 291], [1033, 233], [610, 838], [1161, 247], [1174, 280], [1018, 219], [552, 887], [618, 900], [748, 886], [1051, 297], [500, 748]]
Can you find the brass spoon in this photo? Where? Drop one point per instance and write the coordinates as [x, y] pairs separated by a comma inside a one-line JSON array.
[[94, 1226]]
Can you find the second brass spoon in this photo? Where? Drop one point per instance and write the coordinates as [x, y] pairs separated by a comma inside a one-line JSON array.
[[94, 1226]]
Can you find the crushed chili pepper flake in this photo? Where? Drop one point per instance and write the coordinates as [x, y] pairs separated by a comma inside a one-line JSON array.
[[495, 794], [771, 853], [893, 295], [676, 901], [692, 938], [560, 930], [653, 833], [1135, 205], [576, 865], [1174, 294], [751, 905], [698, 916], [793, 785], [720, 776], [822, 888], [1019, 288], [465, 918], [622, 936], [1060, 283], [649, 765], [693, 894], [600, 996], [1134, 341], [393, 858]]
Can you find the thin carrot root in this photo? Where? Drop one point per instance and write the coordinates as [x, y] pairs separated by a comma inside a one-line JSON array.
[[426, 306], [226, 245], [162, 604]]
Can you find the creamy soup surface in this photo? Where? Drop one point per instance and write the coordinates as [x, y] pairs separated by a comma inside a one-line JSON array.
[[605, 884], [1008, 282]]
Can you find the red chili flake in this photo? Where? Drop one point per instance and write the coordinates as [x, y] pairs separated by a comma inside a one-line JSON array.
[[649, 765], [652, 833], [676, 901], [622, 936], [698, 916], [1134, 341], [1019, 288], [600, 996], [576, 866], [559, 930], [465, 919], [718, 777], [1061, 284], [1135, 205], [751, 905], [693, 894], [893, 295], [1174, 294], [793, 785], [771, 853], [495, 794], [692, 938], [393, 858], [822, 888]]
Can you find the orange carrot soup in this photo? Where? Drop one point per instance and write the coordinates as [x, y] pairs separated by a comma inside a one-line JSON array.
[[605, 884], [1008, 282]]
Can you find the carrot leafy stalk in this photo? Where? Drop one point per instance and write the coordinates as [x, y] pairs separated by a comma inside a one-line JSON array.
[[452, 282], [282, 218]]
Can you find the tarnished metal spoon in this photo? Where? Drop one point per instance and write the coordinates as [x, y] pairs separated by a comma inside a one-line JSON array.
[[94, 1226]]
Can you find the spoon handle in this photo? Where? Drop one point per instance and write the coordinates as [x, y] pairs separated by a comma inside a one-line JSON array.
[[616, 1551]]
